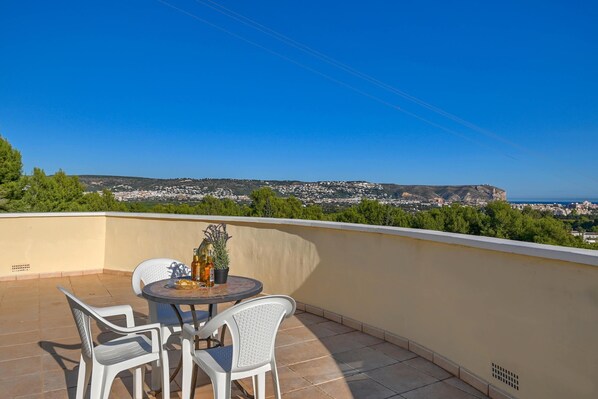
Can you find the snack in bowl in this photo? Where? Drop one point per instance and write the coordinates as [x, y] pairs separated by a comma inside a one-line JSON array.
[[185, 284]]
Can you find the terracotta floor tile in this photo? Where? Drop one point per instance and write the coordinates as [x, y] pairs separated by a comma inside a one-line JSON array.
[[54, 306], [400, 377], [342, 343], [301, 334], [301, 352], [13, 328], [20, 295], [457, 383], [59, 394], [19, 338], [335, 327], [320, 331], [52, 361], [428, 367], [32, 396], [13, 317], [283, 339], [20, 351], [22, 305], [61, 321], [49, 334], [289, 381], [291, 322], [356, 386], [14, 368], [307, 393], [439, 390], [54, 281], [56, 345], [59, 379], [364, 359], [323, 369], [394, 351], [309, 319], [26, 384]]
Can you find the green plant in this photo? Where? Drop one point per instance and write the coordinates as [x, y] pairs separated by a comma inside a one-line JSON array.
[[217, 235]]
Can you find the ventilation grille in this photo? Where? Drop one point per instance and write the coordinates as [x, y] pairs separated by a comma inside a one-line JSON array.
[[506, 376], [21, 268]]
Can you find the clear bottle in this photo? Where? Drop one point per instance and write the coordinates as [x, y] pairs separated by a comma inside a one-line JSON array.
[[195, 272]]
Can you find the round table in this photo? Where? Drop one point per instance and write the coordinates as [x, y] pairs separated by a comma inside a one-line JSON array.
[[236, 289]]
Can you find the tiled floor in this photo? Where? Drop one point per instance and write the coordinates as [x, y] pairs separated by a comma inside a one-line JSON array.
[[317, 358]]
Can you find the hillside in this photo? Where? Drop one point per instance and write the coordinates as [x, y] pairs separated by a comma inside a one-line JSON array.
[[323, 192]]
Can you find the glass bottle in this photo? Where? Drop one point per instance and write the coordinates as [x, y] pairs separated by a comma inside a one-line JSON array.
[[195, 270], [209, 272], [202, 269], [204, 250]]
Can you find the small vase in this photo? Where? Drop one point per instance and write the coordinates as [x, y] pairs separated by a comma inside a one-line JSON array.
[[220, 276]]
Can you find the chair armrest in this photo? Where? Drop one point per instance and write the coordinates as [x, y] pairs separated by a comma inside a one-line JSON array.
[[155, 329], [207, 329], [188, 332], [131, 330], [117, 310]]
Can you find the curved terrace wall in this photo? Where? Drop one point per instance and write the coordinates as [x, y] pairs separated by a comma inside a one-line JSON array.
[[464, 302]]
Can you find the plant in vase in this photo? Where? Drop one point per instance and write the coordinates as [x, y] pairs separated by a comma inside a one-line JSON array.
[[217, 236]]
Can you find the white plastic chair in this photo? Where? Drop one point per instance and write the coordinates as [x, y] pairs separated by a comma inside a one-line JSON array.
[[156, 269], [253, 326], [103, 362]]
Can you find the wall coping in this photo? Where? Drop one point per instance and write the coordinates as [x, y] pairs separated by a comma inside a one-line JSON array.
[[576, 255]]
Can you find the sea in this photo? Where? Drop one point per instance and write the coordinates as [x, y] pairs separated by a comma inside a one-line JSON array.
[[561, 201]]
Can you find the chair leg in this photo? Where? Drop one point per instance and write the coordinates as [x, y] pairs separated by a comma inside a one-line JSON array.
[[107, 383], [83, 377], [156, 377], [188, 365], [138, 382], [261, 386], [165, 376], [97, 388], [221, 386], [275, 381]]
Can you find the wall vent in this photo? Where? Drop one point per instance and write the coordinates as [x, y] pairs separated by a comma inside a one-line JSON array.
[[506, 376], [21, 268]]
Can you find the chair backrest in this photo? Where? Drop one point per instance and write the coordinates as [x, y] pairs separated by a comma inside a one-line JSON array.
[[253, 325], [82, 315], [156, 269]]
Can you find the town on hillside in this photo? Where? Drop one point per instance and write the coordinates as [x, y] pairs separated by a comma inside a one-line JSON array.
[[339, 193]]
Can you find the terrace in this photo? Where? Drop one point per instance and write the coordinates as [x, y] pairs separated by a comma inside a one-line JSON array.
[[318, 358], [383, 312]]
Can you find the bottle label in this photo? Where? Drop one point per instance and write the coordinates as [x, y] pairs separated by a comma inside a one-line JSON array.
[[211, 274]]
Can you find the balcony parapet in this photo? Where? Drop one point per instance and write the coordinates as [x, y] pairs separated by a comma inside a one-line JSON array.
[[471, 303]]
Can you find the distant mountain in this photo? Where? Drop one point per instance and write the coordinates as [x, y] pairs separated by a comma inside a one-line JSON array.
[[322, 192]]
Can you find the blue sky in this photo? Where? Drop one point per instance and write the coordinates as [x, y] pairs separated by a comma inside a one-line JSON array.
[[139, 88]]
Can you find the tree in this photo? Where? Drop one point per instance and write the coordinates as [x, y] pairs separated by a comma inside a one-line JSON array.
[[96, 202], [213, 206], [57, 193], [262, 202], [11, 168], [350, 215], [313, 212]]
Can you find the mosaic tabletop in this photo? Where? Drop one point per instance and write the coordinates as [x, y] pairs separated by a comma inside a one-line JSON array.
[[236, 288]]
